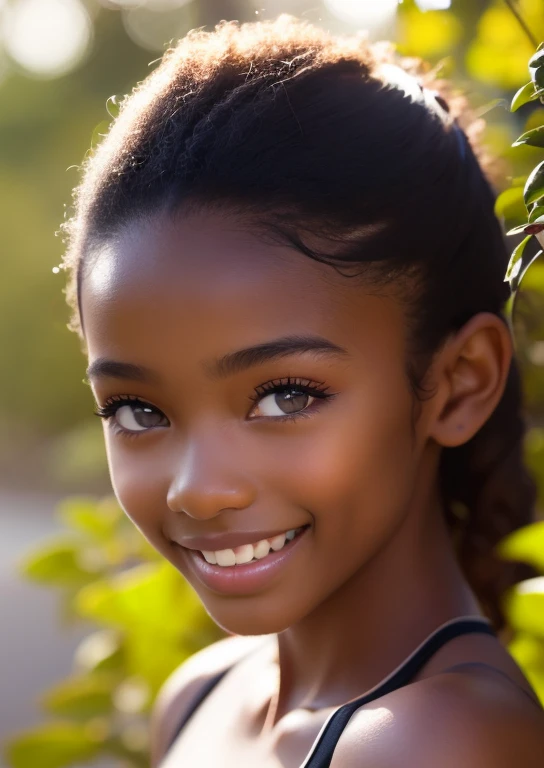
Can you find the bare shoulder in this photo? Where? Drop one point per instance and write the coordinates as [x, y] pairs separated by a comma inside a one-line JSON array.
[[449, 720], [185, 683]]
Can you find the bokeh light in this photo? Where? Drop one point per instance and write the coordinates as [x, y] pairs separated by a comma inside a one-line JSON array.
[[433, 5], [155, 5], [367, 12], [154, 30], [47, 37]]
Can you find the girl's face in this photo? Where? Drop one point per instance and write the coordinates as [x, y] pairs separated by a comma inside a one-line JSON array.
[[200, 443]]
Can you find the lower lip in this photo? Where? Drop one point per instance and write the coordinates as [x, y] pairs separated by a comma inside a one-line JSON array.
[[242, 579]]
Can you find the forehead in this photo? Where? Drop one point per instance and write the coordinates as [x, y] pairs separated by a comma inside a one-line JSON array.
[[208, 283]]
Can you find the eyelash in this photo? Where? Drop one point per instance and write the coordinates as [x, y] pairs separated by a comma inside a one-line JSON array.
[[305, 386], [112, 405]]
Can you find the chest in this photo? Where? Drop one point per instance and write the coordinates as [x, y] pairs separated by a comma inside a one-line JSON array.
[[229, 730]]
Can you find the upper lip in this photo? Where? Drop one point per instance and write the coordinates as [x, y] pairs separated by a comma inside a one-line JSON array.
[[217, 541]]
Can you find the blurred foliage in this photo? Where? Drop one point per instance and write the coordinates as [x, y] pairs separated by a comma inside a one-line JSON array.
[[525, 602], [148, 621]]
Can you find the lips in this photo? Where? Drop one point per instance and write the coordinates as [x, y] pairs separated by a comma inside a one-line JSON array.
[[242, 580]]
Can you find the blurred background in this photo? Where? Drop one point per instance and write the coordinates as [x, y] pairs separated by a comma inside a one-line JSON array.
[[60, 63]]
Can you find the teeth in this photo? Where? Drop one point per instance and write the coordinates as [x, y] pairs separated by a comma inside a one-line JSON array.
[[261, 549], [244, 554], [225, 557], [247, 552], [277, 542]]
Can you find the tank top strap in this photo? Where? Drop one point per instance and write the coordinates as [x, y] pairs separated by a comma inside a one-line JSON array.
[[322, 750], [201, 695]]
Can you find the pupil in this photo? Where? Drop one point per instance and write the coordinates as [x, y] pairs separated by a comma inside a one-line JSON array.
[[293, 400]]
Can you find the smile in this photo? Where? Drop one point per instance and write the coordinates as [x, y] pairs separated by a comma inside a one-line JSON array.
[[252, 575], [246, 553]]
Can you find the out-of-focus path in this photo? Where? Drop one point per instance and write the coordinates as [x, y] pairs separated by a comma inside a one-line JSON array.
[[35, 651]]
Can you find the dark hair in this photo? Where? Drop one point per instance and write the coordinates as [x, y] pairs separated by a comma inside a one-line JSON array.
[[302, 135]]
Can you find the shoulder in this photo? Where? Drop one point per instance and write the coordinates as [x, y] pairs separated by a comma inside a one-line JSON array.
[[450, 720], [185, 683]]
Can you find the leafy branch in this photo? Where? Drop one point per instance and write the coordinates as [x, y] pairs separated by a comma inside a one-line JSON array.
[[533, 191]]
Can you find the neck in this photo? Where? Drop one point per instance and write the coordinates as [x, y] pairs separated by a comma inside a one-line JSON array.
[[367, 629]]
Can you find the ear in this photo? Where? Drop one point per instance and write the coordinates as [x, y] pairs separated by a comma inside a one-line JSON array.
[[469, 376]]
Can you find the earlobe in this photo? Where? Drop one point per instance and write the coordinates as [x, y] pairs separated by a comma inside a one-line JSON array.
[[471, 372]]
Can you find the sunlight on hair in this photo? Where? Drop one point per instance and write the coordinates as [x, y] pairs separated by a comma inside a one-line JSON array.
[[47, 37], [368, 12]]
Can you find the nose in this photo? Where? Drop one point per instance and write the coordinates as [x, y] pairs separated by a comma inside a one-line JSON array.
[[208, 479]]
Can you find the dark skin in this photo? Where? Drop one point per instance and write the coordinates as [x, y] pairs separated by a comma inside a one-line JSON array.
[[375, 574]]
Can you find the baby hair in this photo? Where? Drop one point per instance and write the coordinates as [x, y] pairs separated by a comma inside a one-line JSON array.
[[354, 157]]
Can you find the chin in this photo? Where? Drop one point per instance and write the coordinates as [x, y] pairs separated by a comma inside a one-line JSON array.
[[250, 617]]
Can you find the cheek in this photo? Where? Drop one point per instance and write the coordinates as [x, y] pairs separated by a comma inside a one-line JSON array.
[[139, 485], [356, 476]]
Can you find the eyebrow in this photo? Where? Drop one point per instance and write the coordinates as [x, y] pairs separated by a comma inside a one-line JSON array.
[[229, 364], [103, 368], [235, 362]]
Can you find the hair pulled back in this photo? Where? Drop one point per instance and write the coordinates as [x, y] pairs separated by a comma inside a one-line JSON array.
[[300, 133]]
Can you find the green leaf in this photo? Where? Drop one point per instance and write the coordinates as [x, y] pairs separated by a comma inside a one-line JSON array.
[[514, 264], [57, 563], [80, 698], [102, 651], [525, 270], [518, 230], [536, 214], [536, 68], [97, 519], [534, 138], [537, 59], [525, 94], [534, 188], [525, 545], [509, 204], [528, 651], [538, 77], [150, 597], [55, 745], [525, 607]]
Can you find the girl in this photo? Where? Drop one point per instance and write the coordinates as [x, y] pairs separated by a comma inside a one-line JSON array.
[[288, 276]]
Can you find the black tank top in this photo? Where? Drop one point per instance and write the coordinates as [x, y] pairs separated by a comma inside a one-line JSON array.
[[320, 755]]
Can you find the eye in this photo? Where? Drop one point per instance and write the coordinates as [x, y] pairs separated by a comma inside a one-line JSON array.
[[132, 414], [287, 398], [138, 418], [284, 403]]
